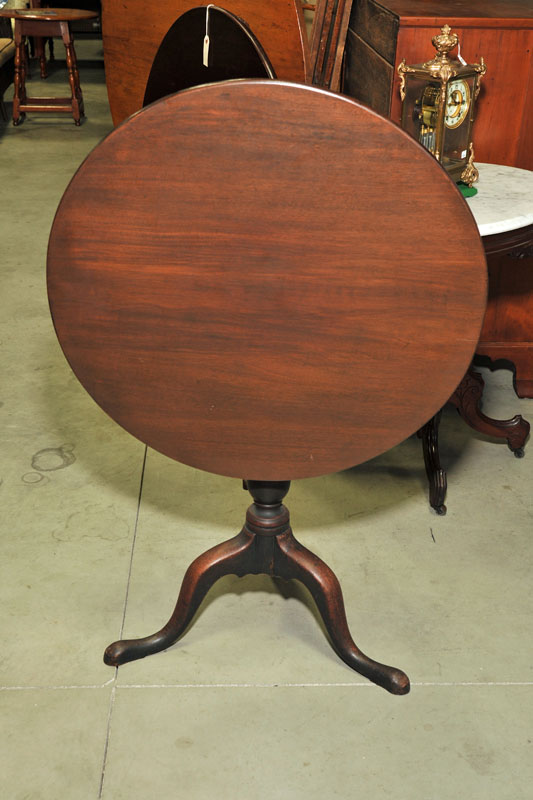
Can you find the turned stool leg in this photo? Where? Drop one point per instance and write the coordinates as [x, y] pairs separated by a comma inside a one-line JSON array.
[[73, 75], [19, 95], [41, 55]]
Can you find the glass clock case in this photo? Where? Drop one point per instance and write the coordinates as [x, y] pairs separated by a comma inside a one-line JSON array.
[[438, 106]]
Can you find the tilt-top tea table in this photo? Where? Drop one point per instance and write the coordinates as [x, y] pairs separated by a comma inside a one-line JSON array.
[[239, 276]]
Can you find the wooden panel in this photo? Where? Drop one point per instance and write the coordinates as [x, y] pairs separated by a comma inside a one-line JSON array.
[[524, 151], [134, 29], [328, 39], [502, 101], [508, 325], [251, 304], [488, 13], [509, 315], [367, 76], [377, 26]]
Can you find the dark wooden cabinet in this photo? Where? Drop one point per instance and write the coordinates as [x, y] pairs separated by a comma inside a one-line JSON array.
[[381, 34]]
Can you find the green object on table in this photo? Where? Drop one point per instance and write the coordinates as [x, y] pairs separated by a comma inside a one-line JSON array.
[[466, 191]]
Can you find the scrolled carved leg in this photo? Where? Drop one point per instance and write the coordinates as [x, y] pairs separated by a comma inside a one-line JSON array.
[[429, 434], [467, 398], [223, 559]]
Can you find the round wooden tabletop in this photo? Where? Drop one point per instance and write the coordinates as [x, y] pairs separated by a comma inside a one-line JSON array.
[[265, 280], [48, 14]]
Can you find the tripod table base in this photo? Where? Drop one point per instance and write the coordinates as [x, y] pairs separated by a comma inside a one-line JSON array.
[[265, 545]]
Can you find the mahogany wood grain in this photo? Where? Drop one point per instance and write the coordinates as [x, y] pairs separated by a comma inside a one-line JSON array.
[[240, 279], [133, 30]]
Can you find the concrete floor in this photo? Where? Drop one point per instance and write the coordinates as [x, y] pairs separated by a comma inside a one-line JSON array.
[[252, 703]]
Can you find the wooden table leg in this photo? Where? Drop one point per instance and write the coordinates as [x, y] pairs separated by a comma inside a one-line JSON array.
[[467, 399], [265, 545], [429, 435]]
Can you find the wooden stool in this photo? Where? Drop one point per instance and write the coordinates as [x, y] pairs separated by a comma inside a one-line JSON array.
[[254, 297], [44, 23]]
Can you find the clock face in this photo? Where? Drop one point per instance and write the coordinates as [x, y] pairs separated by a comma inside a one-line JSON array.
[[457, 103]]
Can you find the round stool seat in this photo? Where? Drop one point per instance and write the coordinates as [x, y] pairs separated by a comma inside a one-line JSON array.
[[265, 280]]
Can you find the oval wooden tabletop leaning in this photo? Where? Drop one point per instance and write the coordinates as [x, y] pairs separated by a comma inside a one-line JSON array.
[[133, 30], [265, 280]]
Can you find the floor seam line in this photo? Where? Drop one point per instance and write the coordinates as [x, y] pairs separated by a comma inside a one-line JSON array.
[[106, 745], [134, 541], [85, 687], [130, 568], [310, 685], [66, 687]]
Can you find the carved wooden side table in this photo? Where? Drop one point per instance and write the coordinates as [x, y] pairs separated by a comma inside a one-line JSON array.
[[219, 293], [503, 210], [43, 23]]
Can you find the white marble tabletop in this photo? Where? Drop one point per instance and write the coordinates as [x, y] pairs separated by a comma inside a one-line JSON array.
[[504, 199]]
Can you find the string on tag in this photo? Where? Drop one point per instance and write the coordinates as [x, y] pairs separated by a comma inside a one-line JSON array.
[[206, 37], [459, 56]]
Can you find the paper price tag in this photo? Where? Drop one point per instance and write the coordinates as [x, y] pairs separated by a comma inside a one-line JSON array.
[[206, 38]]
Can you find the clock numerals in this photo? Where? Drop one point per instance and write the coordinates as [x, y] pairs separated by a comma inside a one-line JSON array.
[[457, 103]]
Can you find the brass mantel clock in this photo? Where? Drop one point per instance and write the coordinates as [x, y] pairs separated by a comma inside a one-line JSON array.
[[438, 106]]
